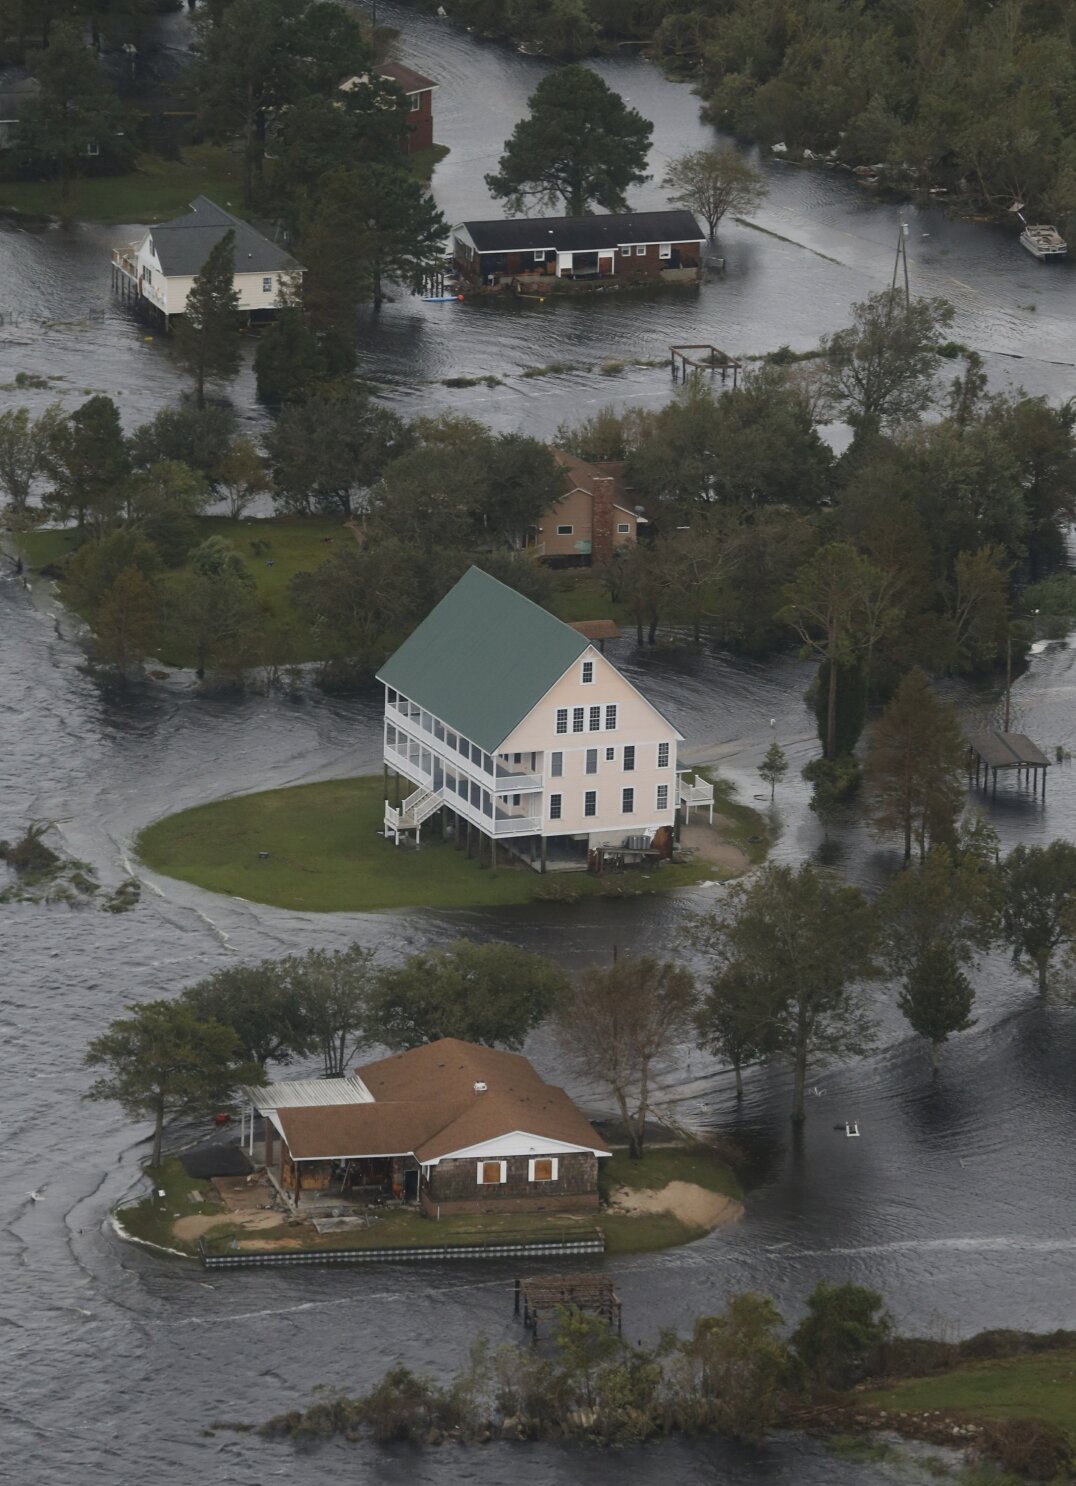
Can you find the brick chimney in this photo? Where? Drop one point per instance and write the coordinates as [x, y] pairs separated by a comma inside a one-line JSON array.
[[601, 519]]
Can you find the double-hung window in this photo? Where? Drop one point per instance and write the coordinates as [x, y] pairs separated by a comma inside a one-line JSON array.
[[590, 802], [554, 807], [629, 758], [640, 250], [556, 764], [610, 716], [539, 255], [588, 672], [663, 797], [610, 755], [627, 801], [562, 719], [665, 250], [595, 720], [592, 760], [578, 715], [267, 284], [625, 250], [663, 755]]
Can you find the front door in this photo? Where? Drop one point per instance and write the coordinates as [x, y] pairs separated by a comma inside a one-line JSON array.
[[411, 1185], [606, 263]]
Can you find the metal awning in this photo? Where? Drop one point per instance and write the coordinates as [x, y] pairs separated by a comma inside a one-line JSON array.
[[307, 1093]]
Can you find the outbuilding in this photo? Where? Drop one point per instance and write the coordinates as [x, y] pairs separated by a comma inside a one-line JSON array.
[[621, 247]]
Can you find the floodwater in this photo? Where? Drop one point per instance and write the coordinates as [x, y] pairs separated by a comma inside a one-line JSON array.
[[956, 1202]]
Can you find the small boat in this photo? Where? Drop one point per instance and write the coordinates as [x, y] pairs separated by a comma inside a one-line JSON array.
[[1043, 242]]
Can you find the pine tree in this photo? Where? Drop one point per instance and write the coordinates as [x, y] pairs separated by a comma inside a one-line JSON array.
[[774, 766], [126, 621], [937, 998], [206, 342], [915, 764]]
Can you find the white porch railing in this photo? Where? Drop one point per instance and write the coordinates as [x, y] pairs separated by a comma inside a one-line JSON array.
[[518, 784], [516, 825], [699, 793]]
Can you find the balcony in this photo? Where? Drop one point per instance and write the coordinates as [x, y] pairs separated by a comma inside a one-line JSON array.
[[518, 784], [514, 825]]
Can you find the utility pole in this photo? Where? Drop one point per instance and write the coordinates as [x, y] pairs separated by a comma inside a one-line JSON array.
[[902, 258]]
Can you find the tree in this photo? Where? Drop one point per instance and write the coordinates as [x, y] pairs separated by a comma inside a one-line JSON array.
[[164, 1060], [331, 989], [915, 766], [164, 501], [241, 476], [1038, 893], [359, 600], [807, 940], [616, 1021], [934, 921], [24, 450], [289, 361], [329, 449], [75, 114], [206, 343], [372, 223], [827, 607], [89, 464], [126, 622], [740, 1365], [880, 372], [260, 1003], [980, 607], [96, 566], [581, 144], [713, 182], [774, 766], [736, 1022], [197, 437], [841, 1334], [214, 617], [494, 994]]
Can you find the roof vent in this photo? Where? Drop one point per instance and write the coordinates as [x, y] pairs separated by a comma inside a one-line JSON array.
[[480, 1088]]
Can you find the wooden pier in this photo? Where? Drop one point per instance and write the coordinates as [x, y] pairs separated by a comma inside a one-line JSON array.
[[700, 358], [993, 750], [539, 1297]]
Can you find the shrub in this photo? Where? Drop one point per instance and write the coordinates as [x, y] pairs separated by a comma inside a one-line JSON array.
[[1030, 1448]]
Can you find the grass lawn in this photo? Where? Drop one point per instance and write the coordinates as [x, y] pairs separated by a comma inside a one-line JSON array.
[[152, 1218], [641, 1233], [581, 594], [155, 190], [1041, 1386], [423, 163], [749, 829], [325, 856]]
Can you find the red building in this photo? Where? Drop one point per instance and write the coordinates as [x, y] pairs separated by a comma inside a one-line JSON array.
[[419, 92]]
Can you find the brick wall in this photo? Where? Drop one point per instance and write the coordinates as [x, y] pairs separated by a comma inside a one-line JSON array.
[[455, 1188]]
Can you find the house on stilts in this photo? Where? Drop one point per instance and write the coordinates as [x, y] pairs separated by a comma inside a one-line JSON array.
[[524, 736]]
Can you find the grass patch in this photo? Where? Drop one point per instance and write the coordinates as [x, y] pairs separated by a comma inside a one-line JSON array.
[[644, 1233], [487, 381], [155, 190], [554, 369], [152, 1218], [1041, 1386], [325, 856], [747, 827], [581, 594], [423, 163], [408, 1228]]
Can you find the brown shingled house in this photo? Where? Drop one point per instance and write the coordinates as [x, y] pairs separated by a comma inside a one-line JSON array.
[[457, 1127]]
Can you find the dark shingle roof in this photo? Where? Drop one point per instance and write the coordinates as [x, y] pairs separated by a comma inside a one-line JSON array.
[[583, 234], [482, 659], [408, 79], [184, 244]]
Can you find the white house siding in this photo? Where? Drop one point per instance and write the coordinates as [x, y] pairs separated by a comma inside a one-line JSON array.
[[169, 294], [638, 725]]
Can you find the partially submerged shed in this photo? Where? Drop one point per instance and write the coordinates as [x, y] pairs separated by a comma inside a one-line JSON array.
[[993, 750]]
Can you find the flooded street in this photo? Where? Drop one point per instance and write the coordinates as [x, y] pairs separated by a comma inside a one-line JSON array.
[[957, 1202]]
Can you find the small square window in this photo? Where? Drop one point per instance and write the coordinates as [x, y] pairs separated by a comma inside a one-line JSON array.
[[588, 672], [590, 802], [627, 801], [542, 1169], [562, 720], [625, 250], [610, 716], [595, 719], [492, 1173], [623, 528], [663, 755], [592, 761], [640, 250], [539, 255], [554, 807], [565, 531], [267, 284], [665, 250], [663, 797], [610, 755], [556, 764], [578, 714]]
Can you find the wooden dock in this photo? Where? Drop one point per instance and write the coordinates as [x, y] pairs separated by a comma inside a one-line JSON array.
[[993, 750], [700, 358], [540, 1296]]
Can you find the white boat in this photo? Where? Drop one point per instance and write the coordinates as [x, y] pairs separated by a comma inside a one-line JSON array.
[[1043, 242]]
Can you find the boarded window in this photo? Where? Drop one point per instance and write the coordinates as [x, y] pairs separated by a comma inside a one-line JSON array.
[[491, 1173], [543, 1169]]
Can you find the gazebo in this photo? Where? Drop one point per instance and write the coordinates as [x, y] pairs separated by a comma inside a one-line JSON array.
[[994, 750]]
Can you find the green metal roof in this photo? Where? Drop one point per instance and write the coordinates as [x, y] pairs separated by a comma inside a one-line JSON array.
[[483, 658]]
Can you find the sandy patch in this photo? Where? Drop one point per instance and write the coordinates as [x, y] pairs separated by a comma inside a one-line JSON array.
[[693, 1205], [277, 1243], [708, 841], [189, 1229]]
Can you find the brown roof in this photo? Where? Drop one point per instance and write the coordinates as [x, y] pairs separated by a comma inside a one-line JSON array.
[[1000, 750], [408, 79], [596, 629], [426, 1104]]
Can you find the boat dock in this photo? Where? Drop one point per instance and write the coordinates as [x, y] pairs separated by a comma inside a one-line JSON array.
[[540, 1296]]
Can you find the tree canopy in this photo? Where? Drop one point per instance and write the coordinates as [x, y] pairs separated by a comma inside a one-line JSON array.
[[581, 145], [711, 183]]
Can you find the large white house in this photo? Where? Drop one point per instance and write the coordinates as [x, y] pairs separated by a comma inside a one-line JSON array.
[[159, 268], [524, 732]]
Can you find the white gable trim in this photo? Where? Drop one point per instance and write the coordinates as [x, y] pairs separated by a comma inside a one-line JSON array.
[[516, 1143]]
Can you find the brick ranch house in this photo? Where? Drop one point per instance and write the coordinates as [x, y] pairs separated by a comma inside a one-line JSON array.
[[633, 247], [419, 92], [453, 1126], [591, 520]]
